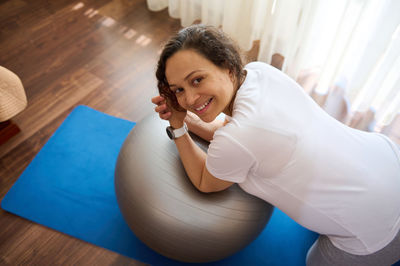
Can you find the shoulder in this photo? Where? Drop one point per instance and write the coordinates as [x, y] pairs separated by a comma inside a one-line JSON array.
[[262, 73], [273, 79], [261, 67], [257, 73], [252, 92]]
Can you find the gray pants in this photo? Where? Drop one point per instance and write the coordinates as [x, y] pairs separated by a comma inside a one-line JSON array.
[[323, 252]]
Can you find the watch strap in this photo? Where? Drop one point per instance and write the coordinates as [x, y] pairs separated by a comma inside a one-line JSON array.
[[179, 132]]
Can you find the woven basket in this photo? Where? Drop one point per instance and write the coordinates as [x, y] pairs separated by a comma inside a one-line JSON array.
[[12, 95]]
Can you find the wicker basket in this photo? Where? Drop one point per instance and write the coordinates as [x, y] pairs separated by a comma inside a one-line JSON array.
[[12, 95]]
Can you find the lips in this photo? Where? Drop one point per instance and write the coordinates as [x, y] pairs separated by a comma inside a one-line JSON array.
[[204, 107]]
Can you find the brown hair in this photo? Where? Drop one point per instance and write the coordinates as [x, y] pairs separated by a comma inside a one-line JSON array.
[[208, 41]]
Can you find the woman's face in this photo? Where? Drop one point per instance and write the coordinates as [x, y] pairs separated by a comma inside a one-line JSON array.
[[200, 86]]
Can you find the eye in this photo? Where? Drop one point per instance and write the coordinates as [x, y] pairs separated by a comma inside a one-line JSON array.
[[178, 90], [197, 81]]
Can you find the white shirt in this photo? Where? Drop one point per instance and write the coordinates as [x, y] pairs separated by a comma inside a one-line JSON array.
[[335, 180]]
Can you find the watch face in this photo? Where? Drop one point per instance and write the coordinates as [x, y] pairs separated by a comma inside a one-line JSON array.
[[170, 133]]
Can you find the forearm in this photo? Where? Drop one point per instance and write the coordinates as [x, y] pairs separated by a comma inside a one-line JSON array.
[[192, 157], [194, 162], [202, 129]]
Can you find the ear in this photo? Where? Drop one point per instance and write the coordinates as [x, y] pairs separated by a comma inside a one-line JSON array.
[[231, 75]]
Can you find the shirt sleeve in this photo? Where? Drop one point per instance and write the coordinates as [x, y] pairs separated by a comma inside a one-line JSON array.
[[229, 160]]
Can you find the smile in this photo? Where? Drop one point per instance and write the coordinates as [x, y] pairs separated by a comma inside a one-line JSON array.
[[199, 109]]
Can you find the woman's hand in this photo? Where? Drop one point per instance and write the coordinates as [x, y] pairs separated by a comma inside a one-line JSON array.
[[167, 112], [161, 108]]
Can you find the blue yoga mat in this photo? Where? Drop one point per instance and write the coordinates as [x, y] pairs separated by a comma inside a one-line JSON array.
[[69, 187]]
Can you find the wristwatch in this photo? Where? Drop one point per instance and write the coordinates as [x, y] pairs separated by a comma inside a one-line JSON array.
[[176, 133]]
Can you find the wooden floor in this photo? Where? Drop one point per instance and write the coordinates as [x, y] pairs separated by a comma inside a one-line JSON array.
[[100, 53]]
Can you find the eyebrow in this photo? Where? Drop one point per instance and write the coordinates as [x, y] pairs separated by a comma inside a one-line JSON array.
[[188, 76]]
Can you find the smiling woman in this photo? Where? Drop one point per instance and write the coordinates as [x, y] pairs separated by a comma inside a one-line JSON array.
[[200, 86], [280, 146], [211, 45]]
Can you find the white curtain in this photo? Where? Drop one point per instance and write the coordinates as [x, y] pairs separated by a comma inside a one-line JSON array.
[[353, 44]]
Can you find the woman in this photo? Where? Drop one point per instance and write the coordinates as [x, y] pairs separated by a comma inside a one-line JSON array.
[[278, 145]]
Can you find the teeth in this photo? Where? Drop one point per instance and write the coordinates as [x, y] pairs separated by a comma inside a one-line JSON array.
[[203, 106]]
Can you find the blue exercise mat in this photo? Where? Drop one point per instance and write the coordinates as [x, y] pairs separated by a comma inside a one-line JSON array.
[[69, 187]]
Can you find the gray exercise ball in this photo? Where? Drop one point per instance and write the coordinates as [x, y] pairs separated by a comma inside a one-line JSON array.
[[167, 213]]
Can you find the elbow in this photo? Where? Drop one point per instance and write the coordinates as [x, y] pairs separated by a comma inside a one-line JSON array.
[[209, 184], [205, 189], [202, 187], [210, 188]]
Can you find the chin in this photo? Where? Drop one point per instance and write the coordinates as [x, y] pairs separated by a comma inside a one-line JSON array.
[[207, 118]]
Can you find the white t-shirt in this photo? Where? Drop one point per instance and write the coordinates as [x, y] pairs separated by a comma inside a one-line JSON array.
[[280, 146]]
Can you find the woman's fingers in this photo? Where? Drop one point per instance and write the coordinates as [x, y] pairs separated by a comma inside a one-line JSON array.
[[160, 102], [157, 100], [165, 116], [165, 110], [161, 108]]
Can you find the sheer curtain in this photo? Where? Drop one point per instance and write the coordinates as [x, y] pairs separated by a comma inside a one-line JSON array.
[[351, 48]]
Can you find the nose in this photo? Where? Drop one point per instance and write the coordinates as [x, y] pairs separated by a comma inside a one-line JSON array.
[[191, 97]]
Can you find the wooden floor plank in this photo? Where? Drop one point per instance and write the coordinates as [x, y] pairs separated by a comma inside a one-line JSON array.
[[97, 53]]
